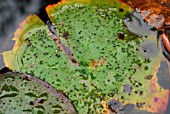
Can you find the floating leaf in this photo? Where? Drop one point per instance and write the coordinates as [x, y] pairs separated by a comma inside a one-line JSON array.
[[110, 57], [27, 100]]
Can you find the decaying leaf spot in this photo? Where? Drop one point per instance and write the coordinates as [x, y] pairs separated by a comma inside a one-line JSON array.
[[96, 63], [127, 88]]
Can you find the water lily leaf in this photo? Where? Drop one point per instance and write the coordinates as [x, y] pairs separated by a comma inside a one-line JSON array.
[[30, 24], [26, 99], [113, 62]]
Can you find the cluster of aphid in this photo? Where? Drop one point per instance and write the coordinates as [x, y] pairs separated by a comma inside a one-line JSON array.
[[90, 58]]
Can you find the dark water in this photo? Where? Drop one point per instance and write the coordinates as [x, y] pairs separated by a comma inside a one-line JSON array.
[[12, 12]]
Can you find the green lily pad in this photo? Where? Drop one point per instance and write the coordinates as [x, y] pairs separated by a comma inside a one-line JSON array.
[[112, 61], [21, 93]]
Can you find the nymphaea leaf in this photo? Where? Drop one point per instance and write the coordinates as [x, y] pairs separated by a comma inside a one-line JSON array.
[[23, 94], [113, 62]]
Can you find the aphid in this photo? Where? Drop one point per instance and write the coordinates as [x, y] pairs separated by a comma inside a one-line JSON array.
[[140, 105], [28, 42], [148, 77]]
